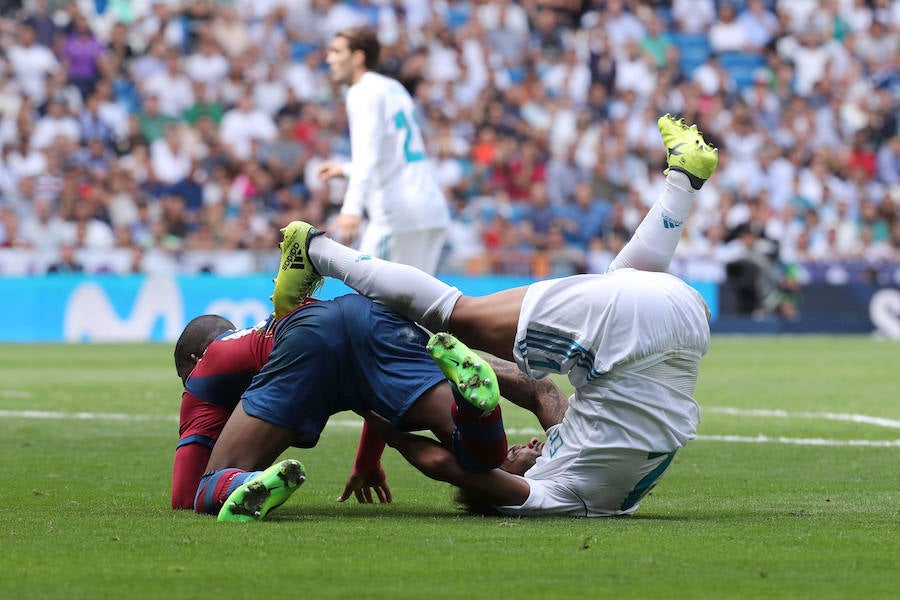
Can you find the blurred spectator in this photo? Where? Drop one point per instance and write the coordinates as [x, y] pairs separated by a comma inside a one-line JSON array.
[[31, 63], [57, 123], [759, 24], [67, 262], [243, 124], [693, 16], [170, 159], [230, 32], [726, 33], [207, 66], [81, 50], [170, 86]]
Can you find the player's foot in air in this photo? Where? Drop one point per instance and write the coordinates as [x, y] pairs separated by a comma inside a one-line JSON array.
[[473, 376], [253, 500], [687, 151], [297, 278]]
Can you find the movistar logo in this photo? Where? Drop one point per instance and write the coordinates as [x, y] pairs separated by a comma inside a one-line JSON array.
[[670, 223], [673, 151]]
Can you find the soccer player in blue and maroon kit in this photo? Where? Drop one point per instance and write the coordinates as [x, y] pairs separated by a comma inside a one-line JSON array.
[[325, 357], [212, 388]]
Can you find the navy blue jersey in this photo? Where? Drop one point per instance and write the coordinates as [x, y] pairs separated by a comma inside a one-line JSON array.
[[347, 354]]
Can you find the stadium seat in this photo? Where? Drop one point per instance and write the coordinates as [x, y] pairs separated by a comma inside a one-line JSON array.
[[741, 66], [693, 50], [299, 50]]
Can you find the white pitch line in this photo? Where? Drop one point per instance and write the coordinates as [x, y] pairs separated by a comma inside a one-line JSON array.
[[764, 439], [84, 416], [783, 414], [526, 431]]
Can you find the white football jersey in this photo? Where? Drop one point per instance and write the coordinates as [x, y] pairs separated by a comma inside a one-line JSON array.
[[390, 176], [630, 342]]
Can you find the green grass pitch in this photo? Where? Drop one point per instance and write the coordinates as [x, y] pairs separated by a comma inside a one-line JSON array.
[[792, 490]]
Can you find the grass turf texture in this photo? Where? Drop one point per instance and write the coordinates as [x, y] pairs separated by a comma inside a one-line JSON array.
[[84, 503]]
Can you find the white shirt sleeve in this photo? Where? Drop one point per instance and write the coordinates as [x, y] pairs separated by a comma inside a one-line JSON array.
[[548, 498], [364, 111]]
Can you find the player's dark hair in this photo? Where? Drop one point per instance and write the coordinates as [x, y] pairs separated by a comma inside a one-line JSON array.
[[197, 335], [472, 504], [364, 39]]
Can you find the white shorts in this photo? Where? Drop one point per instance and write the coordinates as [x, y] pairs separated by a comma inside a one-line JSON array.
[[421, 249], [599, 482]]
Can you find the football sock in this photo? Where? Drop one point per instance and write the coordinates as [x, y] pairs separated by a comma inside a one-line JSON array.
[[479, 440], [216, 486], [653, 244], [406, 290]]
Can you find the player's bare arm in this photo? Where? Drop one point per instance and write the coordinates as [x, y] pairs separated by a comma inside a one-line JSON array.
[[495, 487], [542, 397]]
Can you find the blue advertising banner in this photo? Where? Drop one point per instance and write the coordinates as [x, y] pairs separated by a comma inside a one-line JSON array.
[[108, 308]]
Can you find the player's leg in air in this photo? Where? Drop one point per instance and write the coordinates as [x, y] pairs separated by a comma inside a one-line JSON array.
[[490, 322]]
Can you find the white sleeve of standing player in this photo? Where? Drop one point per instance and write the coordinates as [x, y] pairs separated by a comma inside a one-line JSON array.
[[365, 114]]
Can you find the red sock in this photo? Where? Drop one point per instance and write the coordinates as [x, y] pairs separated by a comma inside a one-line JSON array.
[[479, 440]]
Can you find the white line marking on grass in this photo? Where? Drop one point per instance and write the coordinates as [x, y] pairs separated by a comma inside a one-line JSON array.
[[764, 439], [783, 414], [525, 431], [15, 394], [84, 416]]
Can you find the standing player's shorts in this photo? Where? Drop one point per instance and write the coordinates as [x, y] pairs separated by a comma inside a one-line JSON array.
[[421, 249], [342, 354]]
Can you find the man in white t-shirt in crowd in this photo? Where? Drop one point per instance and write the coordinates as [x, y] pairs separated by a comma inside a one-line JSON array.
[[630, 342], [390, 178]]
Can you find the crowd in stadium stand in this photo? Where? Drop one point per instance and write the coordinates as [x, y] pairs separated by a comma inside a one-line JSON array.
[[152, 135]]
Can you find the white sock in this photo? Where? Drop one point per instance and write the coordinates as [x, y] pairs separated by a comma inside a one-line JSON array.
[[653, 244], [406, 290]]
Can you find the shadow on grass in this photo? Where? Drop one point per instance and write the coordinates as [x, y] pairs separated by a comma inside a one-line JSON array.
[[297, 513]]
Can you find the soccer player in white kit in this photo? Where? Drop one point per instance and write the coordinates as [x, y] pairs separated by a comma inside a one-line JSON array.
[[390, 178], [629, 340]]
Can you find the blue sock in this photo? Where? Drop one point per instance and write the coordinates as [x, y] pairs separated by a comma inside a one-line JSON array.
[[216, 486]]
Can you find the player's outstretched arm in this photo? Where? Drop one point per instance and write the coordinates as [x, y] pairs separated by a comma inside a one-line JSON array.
[[541, 397], [367, 474], [495, 487]]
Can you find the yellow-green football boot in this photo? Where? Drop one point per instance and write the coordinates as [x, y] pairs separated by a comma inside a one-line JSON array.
[[253, 499], [297, 278], [687, 151], [472, 375]]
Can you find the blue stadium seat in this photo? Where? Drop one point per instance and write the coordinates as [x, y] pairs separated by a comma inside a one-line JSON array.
[[299, 50], [741, 66], [693, 50]]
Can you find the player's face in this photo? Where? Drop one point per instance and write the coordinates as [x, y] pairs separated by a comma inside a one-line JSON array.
[[340, 60], [521, 457]]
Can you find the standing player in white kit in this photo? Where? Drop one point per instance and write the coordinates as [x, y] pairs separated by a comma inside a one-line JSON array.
[[629, 340], [390, 178]]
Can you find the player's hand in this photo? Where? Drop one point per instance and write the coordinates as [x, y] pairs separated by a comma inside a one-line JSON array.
[[362, 486], [329, 169], [346, 228]]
